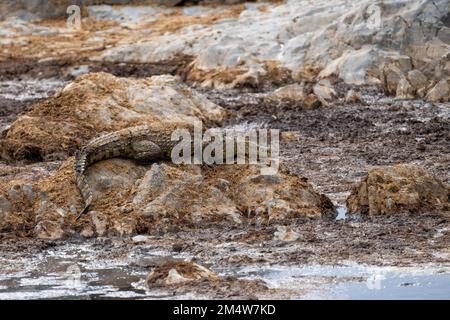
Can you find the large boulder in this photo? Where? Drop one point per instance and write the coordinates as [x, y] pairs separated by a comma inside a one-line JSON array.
[[101, 102], [232, 192], [131, 198], [398, 189]]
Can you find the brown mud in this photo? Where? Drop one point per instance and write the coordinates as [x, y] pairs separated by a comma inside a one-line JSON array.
[[336, 146], [29, 68]]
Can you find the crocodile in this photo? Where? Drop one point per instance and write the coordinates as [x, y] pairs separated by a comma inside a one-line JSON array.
[[141, 143]]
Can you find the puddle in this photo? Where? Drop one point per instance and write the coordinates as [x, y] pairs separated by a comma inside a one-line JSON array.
[[341, 213]]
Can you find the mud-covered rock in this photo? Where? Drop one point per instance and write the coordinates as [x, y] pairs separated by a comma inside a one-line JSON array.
[[353, 97], [397, 189], [101, 102], [324, 91], [169, 192], [175, 272], [292, 92], [184, 276], [440, 92], [49, 230], [418, 80], [286, 234], [130, 198]]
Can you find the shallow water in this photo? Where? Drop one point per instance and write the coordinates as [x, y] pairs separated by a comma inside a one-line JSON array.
[[356, 281], [76, 271]]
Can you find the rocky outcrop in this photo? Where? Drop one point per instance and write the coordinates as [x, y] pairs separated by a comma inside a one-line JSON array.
[[359, 43], [401, 45], [397, 189], [129, 198], [101, 102]]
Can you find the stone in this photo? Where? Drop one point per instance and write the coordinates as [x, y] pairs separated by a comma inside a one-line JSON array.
[[417, 79], [99, 222], [141, 239], [88, 232], [293, 92], [78, 71], [311, 102], [397, 189], [391, 78], [353, 97], [325, 91], [440, 92], [290, 136], [285, 234], [49, 230], [404, 89], [189, 193], [177, 272]]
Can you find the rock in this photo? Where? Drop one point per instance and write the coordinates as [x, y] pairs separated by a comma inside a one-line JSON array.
[[189, 194], [100, 223], [417, 79], [141, 239], [399, 188], [292, 92], [353, 97], [404, 89], [177, 247], [49, 230], [177, 272], [391, 78], [170, 192], [161, 194], [290, 136], [324, 91], [88, 232], [311, 102], [254, 44], [5, 207], [286, 234], [78, 71], [113, 176], [100, 102], [440, 92], [305, 42]]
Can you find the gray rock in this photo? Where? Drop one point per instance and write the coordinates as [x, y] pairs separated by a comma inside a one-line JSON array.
[[440, 92]]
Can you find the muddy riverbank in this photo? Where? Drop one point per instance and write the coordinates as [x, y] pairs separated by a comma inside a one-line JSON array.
[[160, 231]]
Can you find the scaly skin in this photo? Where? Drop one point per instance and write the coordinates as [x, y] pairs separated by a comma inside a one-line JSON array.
[[141, 143]]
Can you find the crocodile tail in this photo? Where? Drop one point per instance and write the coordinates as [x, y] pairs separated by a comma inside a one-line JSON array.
[[86, 192], [80, 162], [82, 183]]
